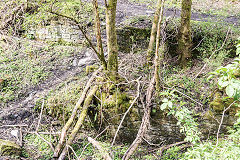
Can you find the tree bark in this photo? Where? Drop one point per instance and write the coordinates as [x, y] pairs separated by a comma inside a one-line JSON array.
[[74, 112], [185, 39], [154, 31], [79, 123], [156, 63], [112, 46], [98, 35]]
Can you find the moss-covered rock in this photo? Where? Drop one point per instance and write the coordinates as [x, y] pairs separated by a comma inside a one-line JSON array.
[[9, 148], [217, 104], [220, 102]]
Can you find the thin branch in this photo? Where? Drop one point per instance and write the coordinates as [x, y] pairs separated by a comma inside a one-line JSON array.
[[82, 30], [45, 141], [73, 152], [219, 127], [125, 114], [102, 151], [40, 116], [213, 54]]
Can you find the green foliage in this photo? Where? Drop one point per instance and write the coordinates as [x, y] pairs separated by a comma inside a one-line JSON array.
[[228, 78], [172, 153], [211, 36], [38, 147], [61, 101], [228, 148], [187, 124], [40, 12], [17, 71]]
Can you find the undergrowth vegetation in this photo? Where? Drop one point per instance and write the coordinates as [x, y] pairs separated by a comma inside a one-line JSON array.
[[206, 90]]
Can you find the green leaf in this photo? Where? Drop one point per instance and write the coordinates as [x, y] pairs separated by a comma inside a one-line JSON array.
[[238, 51], [222, 83], [170, 104], [210, 77], [230, 91], [163, 106], [165, 100]]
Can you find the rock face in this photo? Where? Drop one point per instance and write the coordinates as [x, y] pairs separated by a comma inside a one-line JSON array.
[[9, 148]]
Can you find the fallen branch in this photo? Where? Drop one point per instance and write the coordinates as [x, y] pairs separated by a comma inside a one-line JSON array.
[[79, 123], [102, 151], [94, 138], [147, 109], [74, 112]]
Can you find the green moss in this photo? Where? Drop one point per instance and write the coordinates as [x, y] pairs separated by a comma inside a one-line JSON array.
[[217, 104], [91, 68], [39, 148], [208, 115], [60, 102], [9, 148]]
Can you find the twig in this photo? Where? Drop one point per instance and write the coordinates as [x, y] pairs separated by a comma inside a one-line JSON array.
[[103, 152], [16, 125], [189, 98], [169, 146], [73, 152], [20, 137], [119, 126], [219, 127], [45, 141], [198, 44], [47, 133], [40, 117], [94, 138]]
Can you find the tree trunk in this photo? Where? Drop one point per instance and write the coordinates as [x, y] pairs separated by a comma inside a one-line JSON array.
[[156, 62], [154, 31], [185, 40], [98, 35], [112, 46]]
